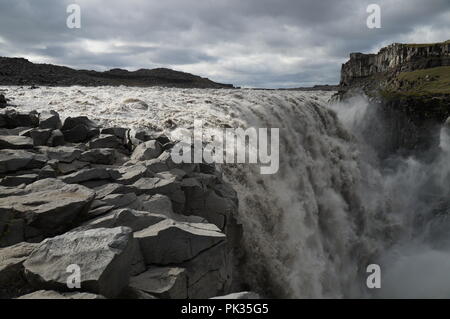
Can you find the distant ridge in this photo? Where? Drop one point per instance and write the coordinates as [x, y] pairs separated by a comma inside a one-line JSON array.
[[20, 71]]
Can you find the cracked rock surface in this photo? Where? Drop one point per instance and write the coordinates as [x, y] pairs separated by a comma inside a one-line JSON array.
[[111, 203]]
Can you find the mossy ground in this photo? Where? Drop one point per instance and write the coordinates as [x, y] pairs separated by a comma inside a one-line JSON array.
[[423, 82], [423, 45]]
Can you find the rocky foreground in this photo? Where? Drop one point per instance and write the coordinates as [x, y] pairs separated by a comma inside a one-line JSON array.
[[111, 202]]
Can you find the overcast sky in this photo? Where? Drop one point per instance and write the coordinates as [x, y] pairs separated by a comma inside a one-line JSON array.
[[255, 43]]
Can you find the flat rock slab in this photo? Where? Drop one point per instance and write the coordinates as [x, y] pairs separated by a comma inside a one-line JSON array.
[[88, 174], [105, 141], [64, 154], [165, 186], [162, 282], [147, 151], [103, 156], [136, 220], [170, 242], [51, 294], [14, 160], [42, 213], [12, 278], [103, 255], [240, 295], [15, 142]]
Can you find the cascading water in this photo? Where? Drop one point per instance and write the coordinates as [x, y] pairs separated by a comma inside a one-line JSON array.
[[414, 192], [311, 229]]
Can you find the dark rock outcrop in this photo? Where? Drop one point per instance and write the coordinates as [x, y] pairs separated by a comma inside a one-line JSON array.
[[19, 71]]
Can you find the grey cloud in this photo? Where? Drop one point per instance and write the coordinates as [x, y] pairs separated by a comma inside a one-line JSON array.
[[245, 42]]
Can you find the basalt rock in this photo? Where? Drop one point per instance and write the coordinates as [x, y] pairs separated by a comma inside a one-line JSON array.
[[102, 255], [114, 212]]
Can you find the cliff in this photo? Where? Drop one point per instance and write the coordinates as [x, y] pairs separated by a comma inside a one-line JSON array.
[[394, 59], [410, 84], [19, 71]]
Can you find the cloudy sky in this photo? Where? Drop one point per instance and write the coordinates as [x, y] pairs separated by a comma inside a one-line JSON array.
[[254, 43]]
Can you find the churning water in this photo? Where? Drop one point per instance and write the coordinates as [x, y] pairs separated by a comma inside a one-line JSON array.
[[311, 229]]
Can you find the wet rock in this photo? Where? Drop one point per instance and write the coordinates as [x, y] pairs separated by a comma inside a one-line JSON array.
[[103, 255], [170, 242], [147, 151], [164, 282], [14, 142], [79, 129], [76, 134], [3, 101], [145, 135], [49, 120], [119, 132], [15, 119]]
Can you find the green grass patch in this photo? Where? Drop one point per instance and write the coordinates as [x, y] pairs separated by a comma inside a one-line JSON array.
[[423, 45], [426, 81]]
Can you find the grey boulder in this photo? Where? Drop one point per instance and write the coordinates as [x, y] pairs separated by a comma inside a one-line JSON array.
[[105, 141], [42, 213], [103, 156], [103, 256], [147, 151], [162, 282], [12, 280], [49, 120], [136, 220], [14, 160], [170, 242], [15, 142]]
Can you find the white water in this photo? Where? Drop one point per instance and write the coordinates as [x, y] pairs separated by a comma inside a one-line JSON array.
[[311, 229]]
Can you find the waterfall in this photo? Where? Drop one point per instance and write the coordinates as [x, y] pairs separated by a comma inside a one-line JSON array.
[[413, 193], [333, 208]]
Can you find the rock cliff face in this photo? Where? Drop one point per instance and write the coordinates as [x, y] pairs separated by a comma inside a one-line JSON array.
[[395, 58], [409, 85]]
